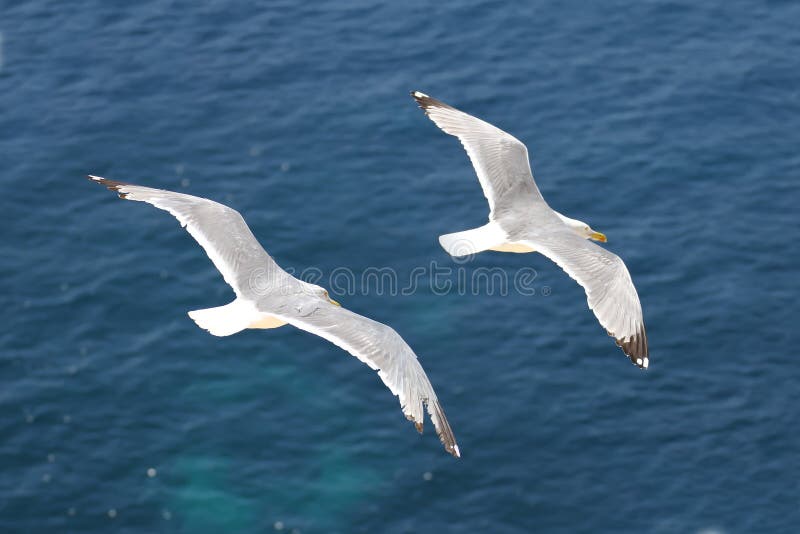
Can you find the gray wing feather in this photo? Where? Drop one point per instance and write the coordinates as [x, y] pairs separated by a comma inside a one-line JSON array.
[[500, 160], [220, 230], [609, 289], [381, 348]]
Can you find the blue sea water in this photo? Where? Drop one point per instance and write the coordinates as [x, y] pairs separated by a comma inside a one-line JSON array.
[[673, 127]]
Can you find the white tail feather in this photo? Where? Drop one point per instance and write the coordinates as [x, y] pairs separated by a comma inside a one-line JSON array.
[[473, 241], [226, 320]]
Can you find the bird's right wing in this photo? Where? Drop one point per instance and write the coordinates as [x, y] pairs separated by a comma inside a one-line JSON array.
[[500, 159], [382, 349], [220, 230]]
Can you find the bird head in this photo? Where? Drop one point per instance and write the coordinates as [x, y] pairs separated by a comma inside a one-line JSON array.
[[583, 229], [320, 292]]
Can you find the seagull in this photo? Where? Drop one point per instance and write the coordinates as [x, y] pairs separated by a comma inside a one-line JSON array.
[[269, 297], [521, 221]]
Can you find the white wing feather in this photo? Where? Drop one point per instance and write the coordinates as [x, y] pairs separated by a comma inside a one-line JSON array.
[[500, 160]]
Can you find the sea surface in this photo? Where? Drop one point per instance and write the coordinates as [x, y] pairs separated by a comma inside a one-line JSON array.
[[672, 127]]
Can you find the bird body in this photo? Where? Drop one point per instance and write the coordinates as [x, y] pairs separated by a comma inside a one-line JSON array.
[[521, 221], [269, 297]]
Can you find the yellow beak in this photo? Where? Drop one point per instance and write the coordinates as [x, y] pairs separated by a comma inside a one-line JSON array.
[[334, 302], [597, 236]]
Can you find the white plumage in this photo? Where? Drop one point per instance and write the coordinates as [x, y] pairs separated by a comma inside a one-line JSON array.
[[521, 221], [269, 297]]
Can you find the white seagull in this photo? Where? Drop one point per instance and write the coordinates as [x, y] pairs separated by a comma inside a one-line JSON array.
[[269, 297], [521, 221]]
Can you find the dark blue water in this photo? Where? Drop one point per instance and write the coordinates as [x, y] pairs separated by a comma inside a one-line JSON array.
[[672, 127]]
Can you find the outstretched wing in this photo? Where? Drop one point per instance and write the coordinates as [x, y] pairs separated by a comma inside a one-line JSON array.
[[608, 285], [382, 349], [220, 230], [500, 160]]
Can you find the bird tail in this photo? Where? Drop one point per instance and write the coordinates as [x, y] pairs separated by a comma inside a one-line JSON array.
[[473, 241], [226, 320]]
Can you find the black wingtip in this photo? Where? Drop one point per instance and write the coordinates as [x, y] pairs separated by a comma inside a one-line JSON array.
[[426, 103], [423, 100], [112, 185], [635, 347], [453, 449], [443, 429]]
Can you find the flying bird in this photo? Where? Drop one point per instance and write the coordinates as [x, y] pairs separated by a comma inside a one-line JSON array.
[[521, 221], [269, 297]]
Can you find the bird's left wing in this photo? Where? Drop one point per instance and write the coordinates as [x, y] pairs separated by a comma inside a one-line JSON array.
[[382, 349], [608, 285]]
